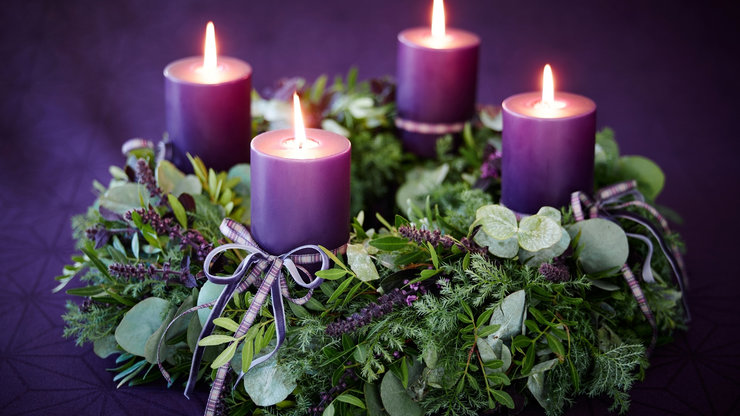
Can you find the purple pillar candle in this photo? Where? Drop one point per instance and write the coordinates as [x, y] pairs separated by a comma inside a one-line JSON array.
[[300, 193], [208, 108], [548, 148], [437, 76]]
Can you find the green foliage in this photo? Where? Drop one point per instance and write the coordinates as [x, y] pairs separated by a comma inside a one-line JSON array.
[[471, 332]]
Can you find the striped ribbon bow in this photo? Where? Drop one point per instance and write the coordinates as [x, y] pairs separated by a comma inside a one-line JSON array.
[[610, 202], [249, 273]]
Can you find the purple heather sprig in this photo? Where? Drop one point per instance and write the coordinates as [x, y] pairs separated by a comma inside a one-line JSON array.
[[491, 167], [328, 396], [436, 238], [141, 271], [145, 176], [166, 226], [100, 235], [555, 272], [383, 306]]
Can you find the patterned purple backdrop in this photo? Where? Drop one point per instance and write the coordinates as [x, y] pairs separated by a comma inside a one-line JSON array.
[[80, 77]]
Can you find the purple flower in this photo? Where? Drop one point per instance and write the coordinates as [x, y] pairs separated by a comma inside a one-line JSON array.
[[556, 272]]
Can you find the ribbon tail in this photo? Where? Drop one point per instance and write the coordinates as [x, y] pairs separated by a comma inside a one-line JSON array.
[[217, 310], [647, 271], [642, 303], [666, 251]]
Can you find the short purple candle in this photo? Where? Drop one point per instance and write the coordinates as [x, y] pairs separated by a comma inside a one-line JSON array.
[[300, 195], [437, 77], [208, 110], [548, 149]]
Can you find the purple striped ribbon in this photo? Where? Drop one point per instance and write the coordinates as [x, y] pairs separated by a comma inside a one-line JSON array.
[[611, 202], [249, 273]]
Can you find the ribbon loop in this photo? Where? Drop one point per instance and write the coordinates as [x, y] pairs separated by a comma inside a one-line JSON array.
[[610, 203], [248, 273]]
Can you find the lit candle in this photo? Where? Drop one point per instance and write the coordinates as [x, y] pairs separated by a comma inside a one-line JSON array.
[[208, 107], [300, 187], [437, 77], [548, 147]]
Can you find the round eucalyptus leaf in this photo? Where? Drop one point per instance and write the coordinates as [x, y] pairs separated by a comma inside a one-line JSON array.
[[168, 176], [497, 221], [649, 176], [602, 244], [123, 198], [242, 172], [538, 232], [139, 323], [360, 262], [551, 213], [536, 258], [505, 249], [396, 400], [268, 383], [208, 293]]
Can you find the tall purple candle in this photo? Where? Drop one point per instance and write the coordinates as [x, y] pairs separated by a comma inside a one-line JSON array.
[[548, 148], [208, 108], [437, 76], [300, 189]]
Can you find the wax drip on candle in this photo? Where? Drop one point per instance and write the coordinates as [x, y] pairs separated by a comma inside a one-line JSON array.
[[548, 101]]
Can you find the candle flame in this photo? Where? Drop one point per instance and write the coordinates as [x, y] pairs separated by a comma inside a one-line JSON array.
[[438, 19], [209, 53], [548, 87], [299, 128]]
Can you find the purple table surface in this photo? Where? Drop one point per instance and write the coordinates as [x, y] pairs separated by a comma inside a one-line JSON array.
[[80, 77]]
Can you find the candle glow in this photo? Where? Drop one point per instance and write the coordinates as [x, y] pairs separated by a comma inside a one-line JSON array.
[[210, 54], [438, 20], [548, 87]]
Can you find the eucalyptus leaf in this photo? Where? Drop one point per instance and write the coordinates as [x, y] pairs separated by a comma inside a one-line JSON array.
[[396, 400], [552, 213], [497, 221], [167, 176], [538, 232], [504, 249], [208, 293], [419, 183], [649, 176], [602, 244], [139, 323], [360, 262], [268, 383], [188, 185], [124, 198], [103, 347], [536, 258], [510, 315], [241, 171], [373, 401]]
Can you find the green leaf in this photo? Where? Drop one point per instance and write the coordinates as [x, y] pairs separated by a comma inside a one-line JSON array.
[[226, 323], [178, 210], [135, 245], [496, 221], [389, 243], [396, 400], [373, 401], [649, 176], [484, 317], [340, 289], [90, 253], [555, 345], [503, 398], [225, 355], [528, 361], [348, 398], [538, 232], [216, 340], [427, 273], [419, 183], [602, 244], [247, 355], [167, 176], [329, 411], [104, 347], [487, 330], [333, 257], [331, 274], [124, 198], [269, 383], [139, 323], [85, 291], [433, 253]]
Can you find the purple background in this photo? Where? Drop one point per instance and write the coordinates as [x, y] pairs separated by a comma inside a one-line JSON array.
[[80, 77]]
